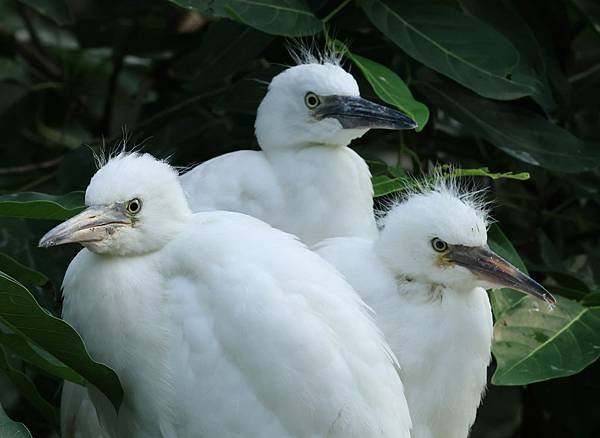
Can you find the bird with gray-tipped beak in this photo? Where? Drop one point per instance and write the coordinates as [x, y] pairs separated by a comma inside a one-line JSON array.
[[426, 276], [217, 324]]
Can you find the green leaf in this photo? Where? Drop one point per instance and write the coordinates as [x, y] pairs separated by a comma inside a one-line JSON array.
[[454, 44], [388, 179], [56, 10], [13, 340], [291, 18], [533, 342], [485, 171], [20, 272], [226, 49], [41, 206], [384, 185], [518, 132], [389, 87], [28, 389], [19, 308], [12, 429], [591, 300], [532, 64]]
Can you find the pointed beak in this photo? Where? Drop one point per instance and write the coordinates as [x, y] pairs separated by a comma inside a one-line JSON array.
[[91, 225], [358, 113], [492, 268]]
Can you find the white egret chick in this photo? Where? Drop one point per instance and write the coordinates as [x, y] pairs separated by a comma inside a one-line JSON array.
[[305, 180], [425, 277], [217, 324]]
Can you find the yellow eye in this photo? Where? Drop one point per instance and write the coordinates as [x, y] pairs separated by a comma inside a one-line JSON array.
[[134, 206], [438, 244], [312, 100]]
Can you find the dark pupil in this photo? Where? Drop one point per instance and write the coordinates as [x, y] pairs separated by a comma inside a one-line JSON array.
[[312, 100], [133, 206], [439, 244]]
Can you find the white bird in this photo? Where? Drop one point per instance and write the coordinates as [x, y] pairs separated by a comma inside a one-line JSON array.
[[305, 180], [78, 417], [217, 324], [425, 277]]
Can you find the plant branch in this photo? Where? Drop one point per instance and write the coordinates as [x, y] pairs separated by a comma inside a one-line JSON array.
[[178, 107], [341, 6], [32, 55], [26, 17], [30, 167]]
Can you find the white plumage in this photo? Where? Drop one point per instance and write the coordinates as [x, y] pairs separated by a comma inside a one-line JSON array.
[[305, 180], [217, 324], [78, 417], [425, 278]]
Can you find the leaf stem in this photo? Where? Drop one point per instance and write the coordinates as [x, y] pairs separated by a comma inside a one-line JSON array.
[[341, 6]]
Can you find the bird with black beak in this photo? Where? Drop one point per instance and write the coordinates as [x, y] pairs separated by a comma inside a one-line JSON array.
[[305, 180]]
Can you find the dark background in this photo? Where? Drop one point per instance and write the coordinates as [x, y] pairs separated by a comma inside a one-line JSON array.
[[77, 74]]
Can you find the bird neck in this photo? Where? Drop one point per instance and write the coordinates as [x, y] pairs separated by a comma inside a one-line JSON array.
[[330, 191]]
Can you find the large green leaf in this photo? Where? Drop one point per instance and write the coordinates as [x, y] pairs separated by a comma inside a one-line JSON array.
[[41, 206], [226, 48], [21, 311], [277, 17], [390, 88], [11, 429], [520, 133], [20, 272], [532, 64], [27, 388], [17, 343], [454, 44], [533, 342]]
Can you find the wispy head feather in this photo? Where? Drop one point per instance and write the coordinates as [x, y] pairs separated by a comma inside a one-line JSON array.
[[310, 51], [104, 153], [442, 180]]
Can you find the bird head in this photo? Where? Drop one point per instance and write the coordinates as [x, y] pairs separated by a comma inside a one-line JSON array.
[[438, 235], [319, 104], [135, 205]]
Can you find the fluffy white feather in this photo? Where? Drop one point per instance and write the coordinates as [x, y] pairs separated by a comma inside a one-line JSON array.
[[220, 326], [433, 310]]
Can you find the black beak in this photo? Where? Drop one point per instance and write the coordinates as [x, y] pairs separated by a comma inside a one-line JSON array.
[[492, 268], [358, 113]]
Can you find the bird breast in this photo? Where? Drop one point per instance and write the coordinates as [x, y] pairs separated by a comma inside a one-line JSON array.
[[328, 193]]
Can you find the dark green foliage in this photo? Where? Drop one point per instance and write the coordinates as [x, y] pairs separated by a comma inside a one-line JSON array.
[[506, 91]]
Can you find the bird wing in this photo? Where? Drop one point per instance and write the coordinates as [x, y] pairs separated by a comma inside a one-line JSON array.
[[272, 342], [241, 181], [78, 417], [442, 344]]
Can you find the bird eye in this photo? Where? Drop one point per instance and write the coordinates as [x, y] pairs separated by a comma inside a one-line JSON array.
[[311, 100], [438, 244], [134, 206]]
